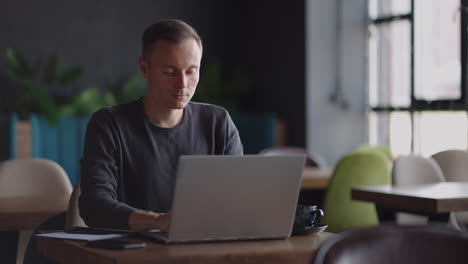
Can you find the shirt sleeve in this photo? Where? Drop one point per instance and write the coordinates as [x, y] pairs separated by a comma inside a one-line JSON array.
[[99, 175], [233, 142]]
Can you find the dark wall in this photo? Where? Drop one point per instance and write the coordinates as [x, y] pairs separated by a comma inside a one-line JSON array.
[[276, 57], [104, 35], [265, 38]]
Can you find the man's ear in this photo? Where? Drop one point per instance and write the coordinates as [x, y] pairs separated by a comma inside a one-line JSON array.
[[144, 67]]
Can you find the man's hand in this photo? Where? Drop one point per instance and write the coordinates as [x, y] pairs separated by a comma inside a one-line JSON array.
[[141, 220]]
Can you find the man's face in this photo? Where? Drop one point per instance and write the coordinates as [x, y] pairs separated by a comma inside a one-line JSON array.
[[172, 73]]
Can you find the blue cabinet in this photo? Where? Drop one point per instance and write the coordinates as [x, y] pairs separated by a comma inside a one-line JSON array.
[[63, 142]]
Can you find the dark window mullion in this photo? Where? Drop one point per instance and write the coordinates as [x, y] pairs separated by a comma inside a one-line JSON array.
[[424, 105], [464, 35], [412, 76], [389, 19]]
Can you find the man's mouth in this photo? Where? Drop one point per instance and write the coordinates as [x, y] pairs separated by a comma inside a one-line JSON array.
[[180, 96]]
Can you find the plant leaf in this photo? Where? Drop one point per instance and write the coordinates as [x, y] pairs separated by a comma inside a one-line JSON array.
[[108, 99], [49, 109], [70, 75], [88, 101], [50, 70], [36, 99], [68, 110], [133, 88], [210, 88], [17, 65]]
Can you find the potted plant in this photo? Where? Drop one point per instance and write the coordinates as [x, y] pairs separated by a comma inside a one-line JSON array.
[[38, 88], [33, 96], [257, 130], [44, 123], [64, 142]]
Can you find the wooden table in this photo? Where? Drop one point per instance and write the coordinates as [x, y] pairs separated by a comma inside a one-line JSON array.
[[298, 249], [24, 213], [20, 213], [316, 178], [434, 200]]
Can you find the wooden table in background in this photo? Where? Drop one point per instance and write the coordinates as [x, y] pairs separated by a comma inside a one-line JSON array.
[[435, 200], [20, 213], [297, 249], [316, 178]]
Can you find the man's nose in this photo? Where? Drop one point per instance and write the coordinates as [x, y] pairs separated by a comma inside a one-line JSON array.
[[182, 81]]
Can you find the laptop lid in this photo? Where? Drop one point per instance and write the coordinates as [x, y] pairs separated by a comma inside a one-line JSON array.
[[235, 197]]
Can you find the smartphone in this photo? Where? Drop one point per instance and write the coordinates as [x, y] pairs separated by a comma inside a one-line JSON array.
[[115, 244]]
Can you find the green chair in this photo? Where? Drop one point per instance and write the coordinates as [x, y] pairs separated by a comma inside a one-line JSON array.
[[358, 168], [378, 148]]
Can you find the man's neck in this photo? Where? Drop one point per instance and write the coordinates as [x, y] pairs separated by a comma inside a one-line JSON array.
[[162, 117]]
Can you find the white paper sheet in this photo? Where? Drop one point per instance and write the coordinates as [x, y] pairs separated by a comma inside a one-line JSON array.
[[86, 237]]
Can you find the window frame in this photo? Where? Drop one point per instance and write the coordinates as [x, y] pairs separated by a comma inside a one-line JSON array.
[[419, 105]]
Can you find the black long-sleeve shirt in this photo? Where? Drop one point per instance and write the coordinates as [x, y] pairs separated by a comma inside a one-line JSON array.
[[129, 163]]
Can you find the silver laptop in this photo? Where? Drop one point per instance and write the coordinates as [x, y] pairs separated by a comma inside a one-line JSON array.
[[234, 198]]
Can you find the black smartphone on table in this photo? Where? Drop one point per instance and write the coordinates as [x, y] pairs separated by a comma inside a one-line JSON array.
[[115, 244]]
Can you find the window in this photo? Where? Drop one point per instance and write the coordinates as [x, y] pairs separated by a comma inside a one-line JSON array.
[[416, 75]]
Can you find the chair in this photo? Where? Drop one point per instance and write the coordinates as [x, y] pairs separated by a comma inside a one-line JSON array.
[[32, 177], [312, 159], [395, 244], [358, 168], [379, 148], [410, 170], [454, 165], [64, 220], [53, 223], [73, 217]]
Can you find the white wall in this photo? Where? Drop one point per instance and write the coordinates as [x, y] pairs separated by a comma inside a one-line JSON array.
[[331, 130]]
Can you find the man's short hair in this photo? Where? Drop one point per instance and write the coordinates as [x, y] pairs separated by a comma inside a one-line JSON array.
[[171, 30]]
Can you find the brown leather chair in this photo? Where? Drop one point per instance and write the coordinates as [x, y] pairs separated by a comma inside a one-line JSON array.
[[395, 244]]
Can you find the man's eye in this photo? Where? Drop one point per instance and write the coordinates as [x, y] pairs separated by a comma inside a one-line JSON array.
[[191, 71], [169, 72]]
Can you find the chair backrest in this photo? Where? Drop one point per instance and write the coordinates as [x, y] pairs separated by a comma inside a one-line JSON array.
[[453, 163], [73, 217], [386, 151], [312, 159], [31, 177], [395, 244], [414, 169], [358, 168]]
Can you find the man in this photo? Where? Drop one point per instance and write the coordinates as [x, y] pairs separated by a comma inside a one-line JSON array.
[[132, 149]]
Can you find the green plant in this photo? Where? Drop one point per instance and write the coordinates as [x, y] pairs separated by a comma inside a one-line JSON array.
[[215, 88], [132, 88], [93, 98], [88, 101], [36, 95]]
